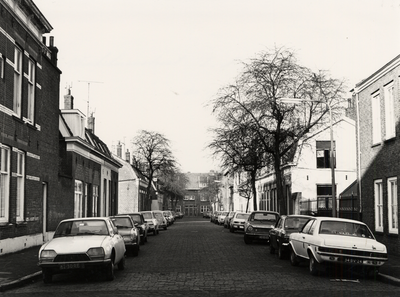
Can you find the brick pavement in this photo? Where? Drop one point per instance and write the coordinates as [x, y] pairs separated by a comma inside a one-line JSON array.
[[204, 250]]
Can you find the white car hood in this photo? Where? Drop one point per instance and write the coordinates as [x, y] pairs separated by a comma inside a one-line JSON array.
[[356, 243], [74, 244]]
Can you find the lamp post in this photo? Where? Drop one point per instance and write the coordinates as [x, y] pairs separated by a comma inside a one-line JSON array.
[[331, 152]]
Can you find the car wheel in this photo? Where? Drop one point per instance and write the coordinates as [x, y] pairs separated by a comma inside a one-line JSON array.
[[122, 263], [110, 271], [142, 240], [47, 275], [231, 229], [145, 239], [247, 240], [280, 254], [294, 260], [313, 265], [165, 228], [271, 248], [154, 232]]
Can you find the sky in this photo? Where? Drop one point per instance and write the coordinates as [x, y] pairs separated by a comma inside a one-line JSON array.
[[156, 64]]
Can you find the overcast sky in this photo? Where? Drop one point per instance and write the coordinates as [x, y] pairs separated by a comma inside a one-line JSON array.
[[155, 64]]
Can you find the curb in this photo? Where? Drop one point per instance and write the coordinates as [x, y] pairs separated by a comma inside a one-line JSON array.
[[21, 281], [387, 279]]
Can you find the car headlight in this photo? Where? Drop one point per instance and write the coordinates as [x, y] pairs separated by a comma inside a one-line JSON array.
[[96, 253], [128, 237], [250, 228], [47, 255]]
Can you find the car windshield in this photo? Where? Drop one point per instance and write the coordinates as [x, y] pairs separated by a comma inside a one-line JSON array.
[[345, 228], [158, 215], [224, 213], [264, 217], [122, 222], [81, 227], [242, 216], [147, 215], [295, 223]]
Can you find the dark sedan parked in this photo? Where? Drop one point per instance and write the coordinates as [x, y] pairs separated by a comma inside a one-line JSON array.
[[141, 224], [279, 235]]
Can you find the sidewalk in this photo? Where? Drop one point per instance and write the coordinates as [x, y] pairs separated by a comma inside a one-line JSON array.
[[20, 268]]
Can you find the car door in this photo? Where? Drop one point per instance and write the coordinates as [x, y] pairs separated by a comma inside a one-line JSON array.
[[274, 233], [300, 243], [117, 241]]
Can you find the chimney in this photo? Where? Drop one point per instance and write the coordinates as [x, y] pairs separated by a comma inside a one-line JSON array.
[[119, 149], [68, 100], [90, 123], [128, 156]]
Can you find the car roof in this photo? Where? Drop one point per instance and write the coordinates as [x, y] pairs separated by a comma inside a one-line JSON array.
[[265, 211], [338, 220], [85, 219]]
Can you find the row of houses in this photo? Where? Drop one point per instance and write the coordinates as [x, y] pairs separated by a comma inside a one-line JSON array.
[[367, 163], [52, 164]]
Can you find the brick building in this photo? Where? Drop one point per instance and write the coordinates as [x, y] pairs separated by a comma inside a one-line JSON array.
[[88, 174], [29, 98], [377, 100]]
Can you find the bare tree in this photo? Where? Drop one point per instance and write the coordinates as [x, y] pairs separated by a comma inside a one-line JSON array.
[[173, 185], [255, 98], [152, 151]]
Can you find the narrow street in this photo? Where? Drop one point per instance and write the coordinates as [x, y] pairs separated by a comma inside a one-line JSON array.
[[195, 257]]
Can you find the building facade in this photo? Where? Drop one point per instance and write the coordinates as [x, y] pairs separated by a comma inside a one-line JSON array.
[[29, 98], [88, 174], [308, 179], [377, 100]]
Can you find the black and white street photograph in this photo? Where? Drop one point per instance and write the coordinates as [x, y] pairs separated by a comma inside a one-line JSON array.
[[220, 148]]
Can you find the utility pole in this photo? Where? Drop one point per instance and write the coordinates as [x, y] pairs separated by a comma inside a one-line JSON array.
[[88, 83]]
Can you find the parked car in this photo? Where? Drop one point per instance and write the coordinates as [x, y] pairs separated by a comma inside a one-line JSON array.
[[180, 215], [128, 231], [162, 221], [92, 244], [259, 224], [206, 214], [227, 221], [279, 235], [238, 220], [151, 221], [335, 241], [214, 216], [221, 217], [141, 224], [169, 216]]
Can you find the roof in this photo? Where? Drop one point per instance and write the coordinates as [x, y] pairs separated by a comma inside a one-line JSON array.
[[351, 190]]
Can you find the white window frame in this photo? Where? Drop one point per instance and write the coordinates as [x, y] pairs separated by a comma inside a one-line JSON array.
[[5, 153], [1, 66], [390, 120], [393, 218], [31, 90], [20, 175], [95, 200], [378, 202], [376, 118], [78, 199], [17, 81]]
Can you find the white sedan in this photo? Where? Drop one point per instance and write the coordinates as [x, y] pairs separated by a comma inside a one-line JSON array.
[[83, 244], [326, 240]]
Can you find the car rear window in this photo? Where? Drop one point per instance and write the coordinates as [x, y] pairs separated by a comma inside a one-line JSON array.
[[260, 216], [244, 216], [295, 223], [345, 228], [122, 222]]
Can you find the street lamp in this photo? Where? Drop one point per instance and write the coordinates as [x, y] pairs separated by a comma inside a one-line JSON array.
[[331, 154]]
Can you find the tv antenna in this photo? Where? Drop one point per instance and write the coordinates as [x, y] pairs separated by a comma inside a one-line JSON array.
[[88, 85]]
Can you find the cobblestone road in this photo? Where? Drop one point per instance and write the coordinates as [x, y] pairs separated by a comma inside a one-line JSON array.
[[197, 258]]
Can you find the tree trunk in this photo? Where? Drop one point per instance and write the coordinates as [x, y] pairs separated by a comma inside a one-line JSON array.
[[253, 188], [279, 186]]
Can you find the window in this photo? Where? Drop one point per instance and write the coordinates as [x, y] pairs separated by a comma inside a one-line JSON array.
[[392, 205], [4, 182], [1, 66], [31, 91], [390, 127], [17, 81], [378, 205], [95, 201], [78, 199], [324, 196], [376, 118], [323, 154], [20, 175]]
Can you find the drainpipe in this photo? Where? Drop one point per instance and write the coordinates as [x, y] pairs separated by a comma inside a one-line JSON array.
[[358, 150]]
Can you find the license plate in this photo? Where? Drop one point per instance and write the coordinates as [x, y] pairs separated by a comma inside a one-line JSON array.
[[72, 266], [241, 227], [350, 260]]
